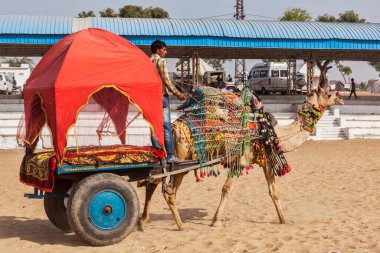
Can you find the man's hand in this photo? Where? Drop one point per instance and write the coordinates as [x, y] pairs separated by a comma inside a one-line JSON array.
[[181, 96]]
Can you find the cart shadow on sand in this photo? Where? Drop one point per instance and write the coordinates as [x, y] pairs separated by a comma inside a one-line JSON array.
[[41, 231]]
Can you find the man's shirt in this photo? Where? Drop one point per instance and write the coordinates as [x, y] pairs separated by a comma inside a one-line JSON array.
[[162, 68]]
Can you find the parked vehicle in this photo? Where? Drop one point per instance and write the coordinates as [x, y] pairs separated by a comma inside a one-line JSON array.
[[216, 79], [273, 77], [6, 86]]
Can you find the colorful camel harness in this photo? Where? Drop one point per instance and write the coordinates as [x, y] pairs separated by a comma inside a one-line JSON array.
[[309, 116], [222, 123]]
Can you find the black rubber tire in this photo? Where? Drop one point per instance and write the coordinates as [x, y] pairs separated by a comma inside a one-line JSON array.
[[55, 208], [80, 199]]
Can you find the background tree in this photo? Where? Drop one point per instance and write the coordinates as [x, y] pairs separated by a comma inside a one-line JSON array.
[[108, 13], [156, 12], [345, 70], [350, 17], [131, 11], [217, 64], [347, 16], [326, 18], [375, 65], [134, 11], [16, 62], [324, 68], [86, 14], [296, 14], [363, 86]]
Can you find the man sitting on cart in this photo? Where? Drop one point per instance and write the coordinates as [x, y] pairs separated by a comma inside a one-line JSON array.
[[159, 52]]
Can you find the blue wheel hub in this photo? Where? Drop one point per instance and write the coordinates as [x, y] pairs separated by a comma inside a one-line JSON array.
[[107, 210]]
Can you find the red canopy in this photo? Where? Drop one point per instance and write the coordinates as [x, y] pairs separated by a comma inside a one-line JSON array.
[[77, 67]]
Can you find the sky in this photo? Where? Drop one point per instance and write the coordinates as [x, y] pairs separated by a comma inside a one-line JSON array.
[[254, 9]]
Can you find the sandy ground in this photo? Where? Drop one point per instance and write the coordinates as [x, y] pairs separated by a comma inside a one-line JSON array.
[[331, 201]]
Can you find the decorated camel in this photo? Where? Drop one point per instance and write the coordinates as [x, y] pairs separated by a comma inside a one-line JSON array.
[[289, 138]]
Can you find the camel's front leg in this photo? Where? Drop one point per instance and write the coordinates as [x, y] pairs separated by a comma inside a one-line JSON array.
[[149, 190], [273, 192], [170, 199], [226, 192]]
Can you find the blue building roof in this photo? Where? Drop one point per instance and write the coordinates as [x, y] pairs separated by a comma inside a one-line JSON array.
[[238, 29], [199, 33]]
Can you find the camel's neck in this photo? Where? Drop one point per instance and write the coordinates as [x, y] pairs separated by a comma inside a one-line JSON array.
[[294, 135]]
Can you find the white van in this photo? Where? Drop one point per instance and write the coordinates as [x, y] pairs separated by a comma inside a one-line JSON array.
[[272, 77], [5, 84]]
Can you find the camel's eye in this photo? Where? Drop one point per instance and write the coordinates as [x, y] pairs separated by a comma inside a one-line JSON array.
[[329, 96]]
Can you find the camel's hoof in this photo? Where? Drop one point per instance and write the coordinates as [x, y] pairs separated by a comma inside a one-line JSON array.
[[216, 224], [282, 222]]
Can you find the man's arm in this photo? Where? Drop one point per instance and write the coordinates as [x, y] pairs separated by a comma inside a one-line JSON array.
[[163, 69]]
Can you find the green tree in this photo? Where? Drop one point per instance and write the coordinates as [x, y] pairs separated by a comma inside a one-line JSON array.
[[16, 62], [156, 12], [363, 86], [375, 65], [108, 13], [86, 14], [350, 17], [324, 68], [326, 18], [344, 70], [347, 16], [134, 11], [216, 63], [131, 11], [296, 14]]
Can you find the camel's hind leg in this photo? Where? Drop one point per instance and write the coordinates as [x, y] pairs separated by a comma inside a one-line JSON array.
[[171, 198], [226, 192], [273, 192], [150, 187]]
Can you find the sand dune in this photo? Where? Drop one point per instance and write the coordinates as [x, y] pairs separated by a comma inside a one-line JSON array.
[[331, 201]]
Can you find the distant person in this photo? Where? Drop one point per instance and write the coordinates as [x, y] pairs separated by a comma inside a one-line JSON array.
[[353, 89], [14, 82], [220, 82], [229, 78]]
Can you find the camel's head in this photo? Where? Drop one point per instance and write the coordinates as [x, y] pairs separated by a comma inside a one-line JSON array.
[[325, 98]]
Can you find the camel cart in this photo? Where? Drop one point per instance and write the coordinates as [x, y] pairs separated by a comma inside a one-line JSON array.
[[84, 178]]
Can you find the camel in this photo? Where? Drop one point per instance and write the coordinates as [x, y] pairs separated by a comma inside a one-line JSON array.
[[290, 136]]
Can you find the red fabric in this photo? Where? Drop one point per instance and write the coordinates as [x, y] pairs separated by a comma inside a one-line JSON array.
[[81, 64], [116, 105]]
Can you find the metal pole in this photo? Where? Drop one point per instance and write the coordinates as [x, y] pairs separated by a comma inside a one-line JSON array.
[[310, 70], [240, 69], [185, 72], [292, 73], [195, 70]]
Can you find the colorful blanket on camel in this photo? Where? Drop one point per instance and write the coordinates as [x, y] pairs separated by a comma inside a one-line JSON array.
[[224, 124], [38, 169]]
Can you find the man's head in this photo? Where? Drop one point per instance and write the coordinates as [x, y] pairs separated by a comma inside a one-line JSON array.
[[352, 79], [159, 47]]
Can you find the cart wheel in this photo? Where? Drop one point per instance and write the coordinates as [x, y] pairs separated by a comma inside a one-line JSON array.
[[103, 209], [54, 204]]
